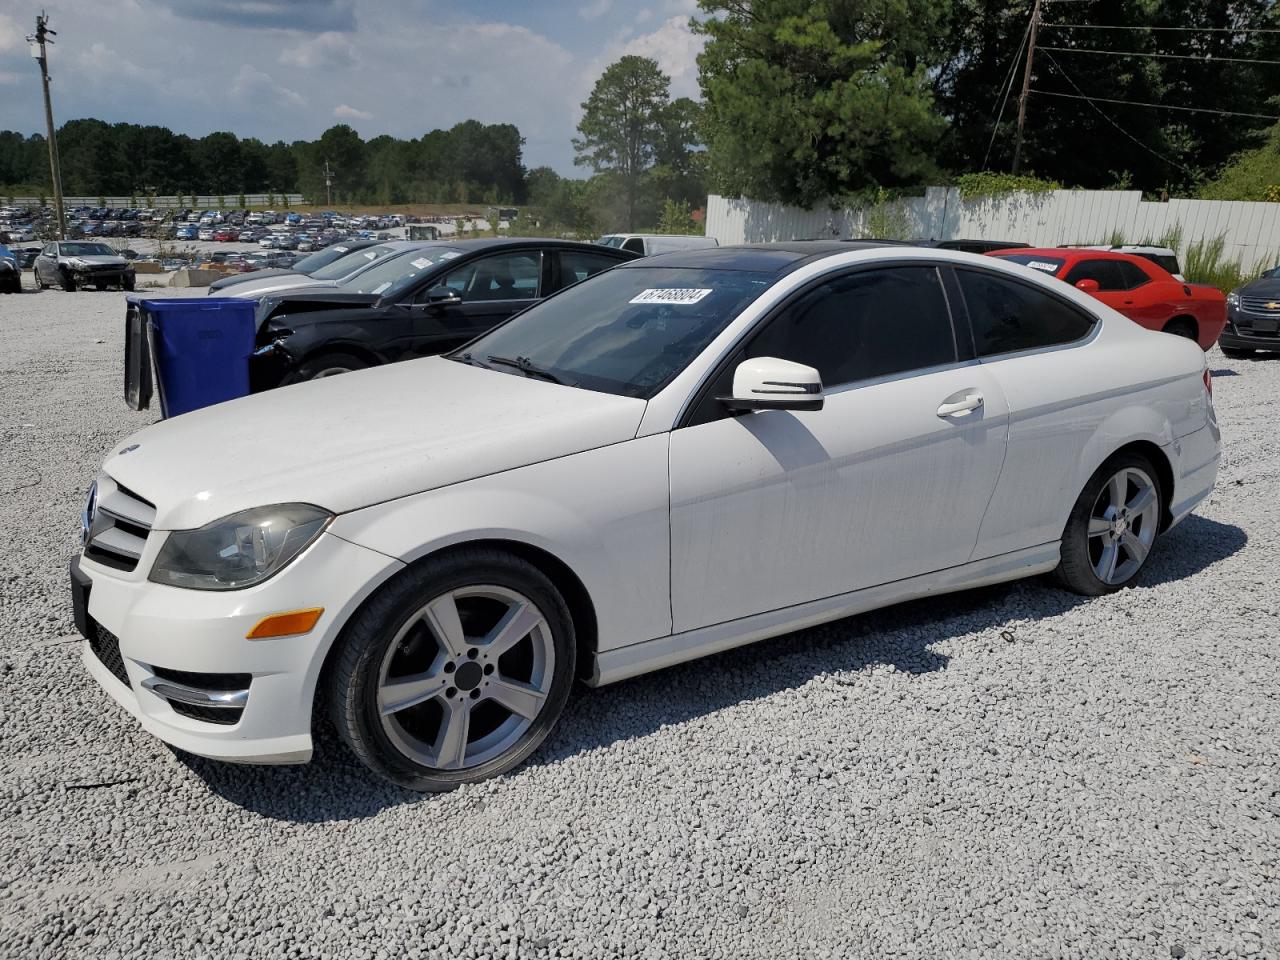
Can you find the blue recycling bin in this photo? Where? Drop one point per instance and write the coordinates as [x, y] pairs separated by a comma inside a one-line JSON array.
[[194, 352]]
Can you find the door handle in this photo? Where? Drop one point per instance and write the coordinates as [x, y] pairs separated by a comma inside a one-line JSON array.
[[959, 408]]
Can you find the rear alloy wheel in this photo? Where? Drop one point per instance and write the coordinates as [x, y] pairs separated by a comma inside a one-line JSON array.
[[1181, 327], [1112, 527], [455, 672]]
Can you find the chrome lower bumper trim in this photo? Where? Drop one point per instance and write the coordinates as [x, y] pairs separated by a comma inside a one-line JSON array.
[[228, 699]]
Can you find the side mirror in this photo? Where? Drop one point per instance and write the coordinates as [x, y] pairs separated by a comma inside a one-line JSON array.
[[442, 296], [767, 383], [1088, 286]]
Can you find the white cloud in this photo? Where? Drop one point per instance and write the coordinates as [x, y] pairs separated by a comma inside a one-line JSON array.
[[344, 112], [644, 16], [252, 84], [595, 9], [672, 44], [7, 77], [10, 35], [324, 50], [101, 60]]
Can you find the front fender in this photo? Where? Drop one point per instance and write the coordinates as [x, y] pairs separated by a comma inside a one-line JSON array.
[[603, 513]]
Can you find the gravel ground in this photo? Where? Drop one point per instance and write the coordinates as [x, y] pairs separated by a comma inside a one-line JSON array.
[[1011, 772]]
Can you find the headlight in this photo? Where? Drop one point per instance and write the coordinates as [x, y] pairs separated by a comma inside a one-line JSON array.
[[240, 550], [1233, 298]]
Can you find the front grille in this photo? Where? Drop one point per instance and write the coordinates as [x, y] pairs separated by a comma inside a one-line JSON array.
[[106, 647], [119, 527], [1258, 306]]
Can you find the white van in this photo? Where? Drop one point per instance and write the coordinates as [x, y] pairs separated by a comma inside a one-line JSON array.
[[647, 244]]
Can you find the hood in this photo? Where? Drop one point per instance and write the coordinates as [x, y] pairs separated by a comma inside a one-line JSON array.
[[1268, 287], [100, 260], [348, 442], [322, 299], [252, 275], [253, 289]]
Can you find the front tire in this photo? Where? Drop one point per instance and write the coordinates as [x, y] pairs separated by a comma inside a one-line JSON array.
[[68, 283], [1112, 527], [127, 284], [324, 365], [455, 671]]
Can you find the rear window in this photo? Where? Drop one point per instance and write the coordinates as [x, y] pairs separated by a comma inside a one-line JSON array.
[[1050, 265], [1163, 260]]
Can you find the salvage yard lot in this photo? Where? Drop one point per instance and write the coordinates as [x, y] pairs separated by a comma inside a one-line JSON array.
[[1008, 772]]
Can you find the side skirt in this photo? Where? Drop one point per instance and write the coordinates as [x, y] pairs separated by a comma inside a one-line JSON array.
[[637, 658]]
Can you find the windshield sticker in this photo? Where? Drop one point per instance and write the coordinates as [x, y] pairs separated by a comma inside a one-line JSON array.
[[421, 263], [1044, 265], [370, 255], [341, 249], [380, 287], [676, 296], [450, 254]]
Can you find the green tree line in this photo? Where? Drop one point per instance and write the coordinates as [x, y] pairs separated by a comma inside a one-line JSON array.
[[470, 162]]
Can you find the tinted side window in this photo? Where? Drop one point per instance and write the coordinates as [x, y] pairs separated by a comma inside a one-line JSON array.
[[1105, 272], [576, 265], [506, 276], [1132, 275], [863, 325], [635, 245], [1008, 316]]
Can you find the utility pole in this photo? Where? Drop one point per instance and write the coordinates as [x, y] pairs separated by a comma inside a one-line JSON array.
[[38, 41], [328, 185], [1026, 85]]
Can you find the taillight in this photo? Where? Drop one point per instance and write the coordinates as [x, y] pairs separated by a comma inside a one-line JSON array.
[[1208, 381]]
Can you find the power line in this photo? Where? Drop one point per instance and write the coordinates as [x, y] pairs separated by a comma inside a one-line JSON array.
[[1003, 101], [1158, 106], [1161, 56], [1106, 117], [1115, 26]]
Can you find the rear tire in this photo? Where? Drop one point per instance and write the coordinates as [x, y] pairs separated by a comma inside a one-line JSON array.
[[1182, 327], [1112, 527], [1237, 353], [324, 365], [420, 683]]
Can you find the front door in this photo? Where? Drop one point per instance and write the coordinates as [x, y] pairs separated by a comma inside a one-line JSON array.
[[889, 480], [492, 288]]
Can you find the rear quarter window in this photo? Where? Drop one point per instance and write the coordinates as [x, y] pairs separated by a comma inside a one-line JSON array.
[[1009, 317]]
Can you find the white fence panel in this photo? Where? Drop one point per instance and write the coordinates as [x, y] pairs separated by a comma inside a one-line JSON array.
[[1251, 231]]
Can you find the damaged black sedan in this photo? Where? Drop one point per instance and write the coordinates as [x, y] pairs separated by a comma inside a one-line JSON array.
[[426, 301]]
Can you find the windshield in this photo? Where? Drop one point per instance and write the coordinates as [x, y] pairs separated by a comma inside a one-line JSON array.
[[322, 258], [610, 241], [1050, 265], [626, 332], [348, 264], [392, 276], [86, 250]]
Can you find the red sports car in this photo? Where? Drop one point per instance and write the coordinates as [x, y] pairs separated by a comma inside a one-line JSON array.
[[226, 234], [1143, 291]]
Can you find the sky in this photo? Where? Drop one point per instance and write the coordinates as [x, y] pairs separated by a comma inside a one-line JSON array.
[[289, 69]]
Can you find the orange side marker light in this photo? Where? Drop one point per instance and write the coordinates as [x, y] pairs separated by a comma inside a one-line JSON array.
[[289, 624]]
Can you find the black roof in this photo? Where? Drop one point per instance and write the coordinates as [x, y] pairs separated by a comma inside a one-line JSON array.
[[775, 258], [486, 243]]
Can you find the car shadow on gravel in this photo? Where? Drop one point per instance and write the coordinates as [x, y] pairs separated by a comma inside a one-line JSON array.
[[334, 786]]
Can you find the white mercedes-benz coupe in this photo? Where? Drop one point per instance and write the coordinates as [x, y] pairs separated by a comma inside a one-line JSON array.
[[675, 457]]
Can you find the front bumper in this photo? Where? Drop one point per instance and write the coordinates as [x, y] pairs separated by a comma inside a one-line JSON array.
[[1241, 333], [180, 651]]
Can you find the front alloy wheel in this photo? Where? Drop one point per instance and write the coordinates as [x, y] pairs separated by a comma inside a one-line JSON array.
[[459, 686]]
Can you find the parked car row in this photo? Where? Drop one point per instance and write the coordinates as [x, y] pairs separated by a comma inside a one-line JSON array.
[[653, 460]]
